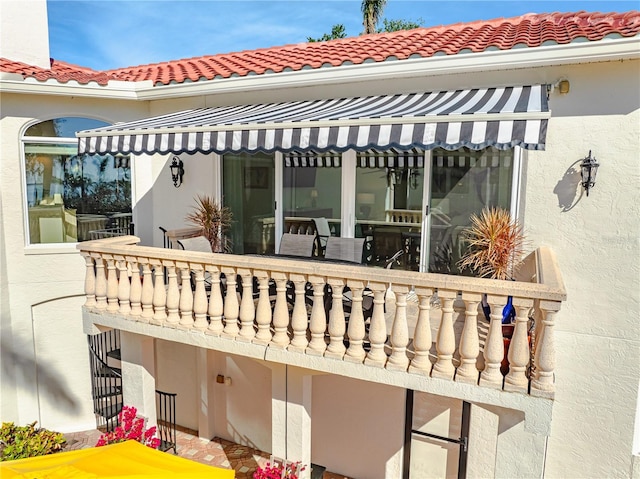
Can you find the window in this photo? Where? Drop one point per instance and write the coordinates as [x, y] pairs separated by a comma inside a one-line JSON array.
[[73, 198]]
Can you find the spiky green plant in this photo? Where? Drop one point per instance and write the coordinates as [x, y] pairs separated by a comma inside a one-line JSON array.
[[495, 244], [215, 220]]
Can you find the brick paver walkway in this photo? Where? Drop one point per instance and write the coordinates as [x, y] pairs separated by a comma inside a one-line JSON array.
[[217, 452]]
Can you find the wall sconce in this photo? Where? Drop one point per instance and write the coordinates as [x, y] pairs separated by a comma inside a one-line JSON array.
[[413, 178], [314, 198], [394, 177], [177, 171], [589, 169]]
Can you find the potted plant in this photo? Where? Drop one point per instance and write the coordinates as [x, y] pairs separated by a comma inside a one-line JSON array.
[[495, 243], [215, 221]]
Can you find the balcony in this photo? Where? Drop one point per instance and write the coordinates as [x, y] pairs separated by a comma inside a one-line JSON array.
[[423, 332]]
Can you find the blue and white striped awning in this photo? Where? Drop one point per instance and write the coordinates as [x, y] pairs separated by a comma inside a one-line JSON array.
[[477, 118]]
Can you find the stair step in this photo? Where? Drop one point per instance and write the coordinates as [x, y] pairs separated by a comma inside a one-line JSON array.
[[107, 391], [109, 372], [114, 354], [108, 411]]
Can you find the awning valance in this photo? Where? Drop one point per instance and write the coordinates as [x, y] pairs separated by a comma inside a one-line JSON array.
[[501, 117]]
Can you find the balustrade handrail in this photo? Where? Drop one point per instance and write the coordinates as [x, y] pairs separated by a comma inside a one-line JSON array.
[[551, 290], [273, 309]]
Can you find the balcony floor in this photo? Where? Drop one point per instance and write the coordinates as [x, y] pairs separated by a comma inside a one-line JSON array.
[[217, 452]]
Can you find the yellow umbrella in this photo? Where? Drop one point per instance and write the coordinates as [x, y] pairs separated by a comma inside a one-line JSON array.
[[125, 460]]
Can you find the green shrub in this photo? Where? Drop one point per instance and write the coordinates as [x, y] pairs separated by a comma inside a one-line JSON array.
[[19, 442]]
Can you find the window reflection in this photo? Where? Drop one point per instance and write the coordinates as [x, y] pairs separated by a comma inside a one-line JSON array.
[[69, 197]]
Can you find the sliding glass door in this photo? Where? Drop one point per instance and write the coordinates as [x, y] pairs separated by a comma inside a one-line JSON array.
[[388, 207], [463, 182], [249, 191]]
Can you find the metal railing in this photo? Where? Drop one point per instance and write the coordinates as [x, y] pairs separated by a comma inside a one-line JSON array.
[[166, 416]]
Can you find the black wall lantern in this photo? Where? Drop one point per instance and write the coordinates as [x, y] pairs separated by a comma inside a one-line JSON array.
[[177, 171], [589, 169]]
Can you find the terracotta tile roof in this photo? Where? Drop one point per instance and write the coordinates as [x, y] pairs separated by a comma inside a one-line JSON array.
[[61, 71], [531, 30]]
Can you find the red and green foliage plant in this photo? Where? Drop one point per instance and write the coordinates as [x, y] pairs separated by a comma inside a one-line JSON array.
[[20, 442], [132, 427], [495, 244], [279, 471]]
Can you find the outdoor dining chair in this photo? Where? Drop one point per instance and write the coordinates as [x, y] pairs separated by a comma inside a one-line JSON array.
[[323, 232], [296, 245]]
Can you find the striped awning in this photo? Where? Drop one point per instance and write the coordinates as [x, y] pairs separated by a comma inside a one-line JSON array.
[[501, 117]]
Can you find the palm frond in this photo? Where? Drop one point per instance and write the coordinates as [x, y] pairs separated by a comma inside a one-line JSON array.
[[495, 244], [215, 221]]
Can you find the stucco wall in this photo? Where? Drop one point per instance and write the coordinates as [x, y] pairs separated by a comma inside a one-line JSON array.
[[44, 353], [363, 418], [596, 241]]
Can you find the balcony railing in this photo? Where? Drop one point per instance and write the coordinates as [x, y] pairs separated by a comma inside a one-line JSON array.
[[283, 303]]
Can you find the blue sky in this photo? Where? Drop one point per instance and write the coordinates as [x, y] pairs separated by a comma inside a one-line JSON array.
[[105, 34]]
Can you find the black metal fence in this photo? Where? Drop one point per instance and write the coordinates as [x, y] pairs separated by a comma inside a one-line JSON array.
[[166, 417]]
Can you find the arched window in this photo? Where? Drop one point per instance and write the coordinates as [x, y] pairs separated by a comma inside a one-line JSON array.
[[73, 198]]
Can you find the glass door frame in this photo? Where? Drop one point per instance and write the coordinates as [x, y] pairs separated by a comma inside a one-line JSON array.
[[516, 183]]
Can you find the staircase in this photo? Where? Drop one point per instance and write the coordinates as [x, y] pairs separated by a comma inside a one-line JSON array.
[[106, 375]]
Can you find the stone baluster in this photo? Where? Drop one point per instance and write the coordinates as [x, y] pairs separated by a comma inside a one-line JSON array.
[[318, 320], [173, 294], [378, 328], [299, 317], [216, 305], [159, 292], [516, 380], [445, 340], [146, 298], [247, 307], [89, 281], [186, 296], [135, 294], [337, 326], [398, 360], [280, 313], [545, 357], [112, 284], [263, 312], [231, 304], [199, 299], [124, 285], [101, 283], [421, 364], [356, 331], [494, 345], [469, 341]]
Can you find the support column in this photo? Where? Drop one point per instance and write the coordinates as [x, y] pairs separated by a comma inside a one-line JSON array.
[[279, 410], [138, 374], [298, 438]]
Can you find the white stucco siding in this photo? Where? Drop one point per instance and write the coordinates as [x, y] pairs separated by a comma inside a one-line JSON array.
[[363, 418], [242, 407], [596, 240], [159, 203], [39, 283], [176, 372]]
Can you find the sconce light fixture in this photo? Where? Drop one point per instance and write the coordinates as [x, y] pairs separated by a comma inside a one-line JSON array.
[[394, 177], [589, 169], [177, 171]]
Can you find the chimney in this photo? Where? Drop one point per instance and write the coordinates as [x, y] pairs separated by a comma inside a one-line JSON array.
[[24, 32]]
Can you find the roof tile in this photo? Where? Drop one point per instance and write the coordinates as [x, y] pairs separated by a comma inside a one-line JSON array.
[[531, 30]]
